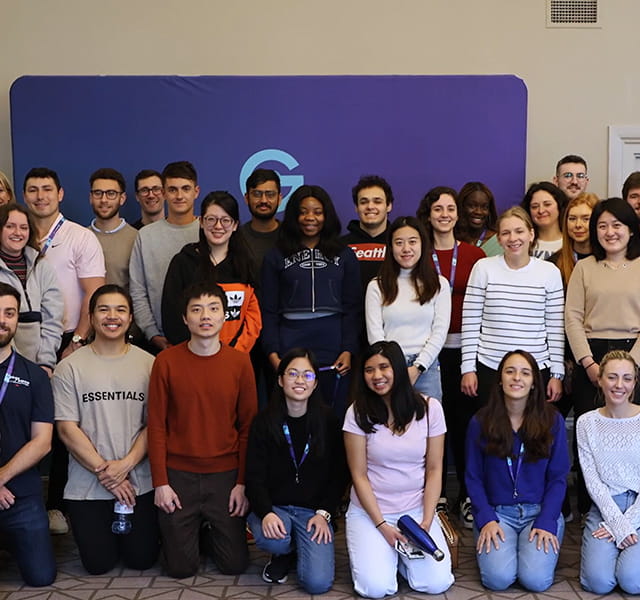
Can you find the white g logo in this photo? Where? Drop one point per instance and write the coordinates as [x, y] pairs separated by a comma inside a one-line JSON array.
[[273, 155]]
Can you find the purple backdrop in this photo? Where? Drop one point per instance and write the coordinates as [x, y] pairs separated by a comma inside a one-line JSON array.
[[417, 131]]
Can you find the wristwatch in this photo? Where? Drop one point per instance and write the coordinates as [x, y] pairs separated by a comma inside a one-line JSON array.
[[557, 376], [324, 513], [420, 367], [77, 339]]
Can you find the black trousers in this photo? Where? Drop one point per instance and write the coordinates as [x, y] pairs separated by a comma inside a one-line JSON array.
[[100, 549]]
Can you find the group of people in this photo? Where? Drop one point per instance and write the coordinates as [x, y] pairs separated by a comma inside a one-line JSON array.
[[370, 353]]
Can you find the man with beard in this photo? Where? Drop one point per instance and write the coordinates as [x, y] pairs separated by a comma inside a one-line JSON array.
[[26, 424], [107, 194], [571, 175], [263, 198]]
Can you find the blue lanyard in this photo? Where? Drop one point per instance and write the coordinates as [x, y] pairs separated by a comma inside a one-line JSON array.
[[305, 452], [515, 475], [50, 237], [454, 264], [7, 376], [481, 238]]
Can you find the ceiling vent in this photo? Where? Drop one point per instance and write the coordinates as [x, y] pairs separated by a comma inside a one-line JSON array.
[[572, 14]]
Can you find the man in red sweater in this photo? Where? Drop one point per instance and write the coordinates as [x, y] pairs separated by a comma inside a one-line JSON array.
[[202, 399]]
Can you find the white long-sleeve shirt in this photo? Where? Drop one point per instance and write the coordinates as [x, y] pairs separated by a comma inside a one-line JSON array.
[[508, 309], [418, 328]]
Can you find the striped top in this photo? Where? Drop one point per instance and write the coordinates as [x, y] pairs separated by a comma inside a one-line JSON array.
[[507, 309]]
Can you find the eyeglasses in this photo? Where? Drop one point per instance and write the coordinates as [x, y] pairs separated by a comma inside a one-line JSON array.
[[211, 222], [572, 175], [293, 374], [111, 194], [257, 194], [145, 191]]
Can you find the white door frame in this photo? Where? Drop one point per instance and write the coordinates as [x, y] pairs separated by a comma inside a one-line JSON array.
[[624, 152]]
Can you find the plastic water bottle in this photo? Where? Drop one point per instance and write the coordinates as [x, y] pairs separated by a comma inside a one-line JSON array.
[[121, 518]]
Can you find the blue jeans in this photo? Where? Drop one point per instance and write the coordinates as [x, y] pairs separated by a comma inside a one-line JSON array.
[[316, 563], [518, 558], [603, 564], [26, 526], [429, 382]]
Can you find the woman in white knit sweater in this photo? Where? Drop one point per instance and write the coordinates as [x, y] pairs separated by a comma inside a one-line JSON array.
[[409, 303], [609, 451]]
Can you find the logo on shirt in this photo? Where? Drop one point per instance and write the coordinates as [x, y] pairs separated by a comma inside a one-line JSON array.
[[17, 381], [369, 252], [235, 299], [111, 395], [310, 259]]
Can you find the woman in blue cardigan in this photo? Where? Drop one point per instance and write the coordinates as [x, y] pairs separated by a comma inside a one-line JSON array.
[[516, 471]]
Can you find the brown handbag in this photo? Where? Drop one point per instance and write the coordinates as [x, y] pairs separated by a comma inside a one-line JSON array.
[[451, 535]]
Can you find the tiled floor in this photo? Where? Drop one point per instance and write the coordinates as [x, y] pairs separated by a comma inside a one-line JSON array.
[[74, 583]]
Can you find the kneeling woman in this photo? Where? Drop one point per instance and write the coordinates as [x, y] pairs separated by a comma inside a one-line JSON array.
[[100, 394], [516, 470], [296, 473], [394, 439], [609, 452]]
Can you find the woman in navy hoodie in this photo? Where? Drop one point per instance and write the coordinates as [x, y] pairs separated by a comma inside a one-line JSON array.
[[312, 291]]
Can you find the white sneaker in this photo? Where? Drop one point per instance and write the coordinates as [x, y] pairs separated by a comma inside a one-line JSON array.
[[57, 522], [466, 517]]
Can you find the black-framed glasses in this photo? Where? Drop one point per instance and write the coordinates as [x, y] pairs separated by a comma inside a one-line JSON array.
[[146, 191], [111, 194], [210, 222], [572, 175]]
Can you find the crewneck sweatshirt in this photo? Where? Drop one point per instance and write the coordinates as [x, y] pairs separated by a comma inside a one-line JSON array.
[[419, 328]]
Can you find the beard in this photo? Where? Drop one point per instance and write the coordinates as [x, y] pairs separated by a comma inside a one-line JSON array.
[[112, 213], [261, 216], [6, 335]]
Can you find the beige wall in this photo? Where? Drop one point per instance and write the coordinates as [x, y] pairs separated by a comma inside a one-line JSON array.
[[579, 81]]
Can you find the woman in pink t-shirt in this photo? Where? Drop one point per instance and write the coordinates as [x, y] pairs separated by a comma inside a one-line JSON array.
[[394, 439]]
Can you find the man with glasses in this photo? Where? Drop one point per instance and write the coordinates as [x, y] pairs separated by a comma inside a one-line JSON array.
[[150, 197], [106, 195], [77, 258], [571, 175], [263, 199], [156, 245], [202, 399]]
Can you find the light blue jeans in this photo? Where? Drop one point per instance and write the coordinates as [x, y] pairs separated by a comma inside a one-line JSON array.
[[429, 382], [316, 562], [518, 558], [603, 564]]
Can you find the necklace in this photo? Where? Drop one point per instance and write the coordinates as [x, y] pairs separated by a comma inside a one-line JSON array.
[[608, 265]]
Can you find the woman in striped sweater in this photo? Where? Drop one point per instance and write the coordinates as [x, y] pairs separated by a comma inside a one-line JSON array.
[[512, 301]]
